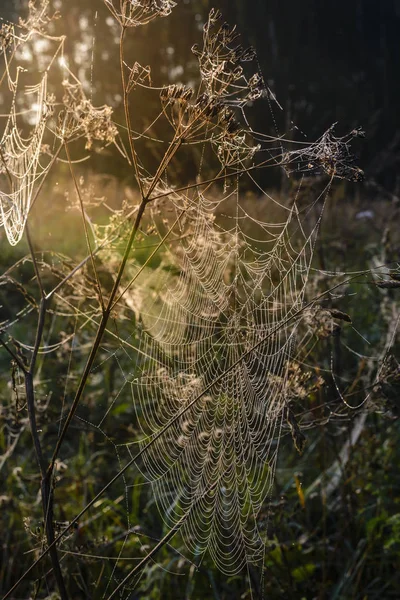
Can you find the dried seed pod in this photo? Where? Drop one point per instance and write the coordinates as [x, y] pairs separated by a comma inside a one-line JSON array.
[[388, 285], [298, 437], [338, 314], [248, 55]]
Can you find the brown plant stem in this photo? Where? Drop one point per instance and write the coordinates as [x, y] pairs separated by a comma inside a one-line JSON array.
[[170, 153], [127, 113], [98, 338], [89, 246], [45, 487]]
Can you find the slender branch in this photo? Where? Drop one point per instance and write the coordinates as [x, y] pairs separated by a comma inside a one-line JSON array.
[[106, 313], [78, 192], [34, 261], [127, 113], [170, 153], [98, 338], [46, 491], [39, 334], [156, 249], [13, 356]]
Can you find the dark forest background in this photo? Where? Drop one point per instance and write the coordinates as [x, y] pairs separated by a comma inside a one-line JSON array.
[[326, 62]]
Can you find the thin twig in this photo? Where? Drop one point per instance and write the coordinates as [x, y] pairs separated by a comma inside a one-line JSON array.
[[34, 261], [78, 192], [127, 113], [98, 338], [156, 249], [14, 356]]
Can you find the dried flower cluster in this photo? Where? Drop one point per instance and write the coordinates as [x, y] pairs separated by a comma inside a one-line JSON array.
[[6, 35], [321, 321], [220, 63], [38, 17], [80, 117], [132, 13], [224, 91]]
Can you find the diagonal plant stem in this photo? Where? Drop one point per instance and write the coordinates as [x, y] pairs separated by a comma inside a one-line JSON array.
[[17, 360], [78, 192], [46, 482], [168, 156], [98, 338], [127, 113], [156, 249]]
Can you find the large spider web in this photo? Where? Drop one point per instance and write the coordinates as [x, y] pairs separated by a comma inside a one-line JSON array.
[[218, 342]]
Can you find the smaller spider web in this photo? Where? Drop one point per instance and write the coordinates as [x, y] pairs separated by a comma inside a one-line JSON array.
[[20, 163]]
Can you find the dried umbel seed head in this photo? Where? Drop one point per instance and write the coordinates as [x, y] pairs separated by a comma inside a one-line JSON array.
[[320, 320], [222, 73], [80, 117], [132, 13], [176, 93], [6, 35]]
